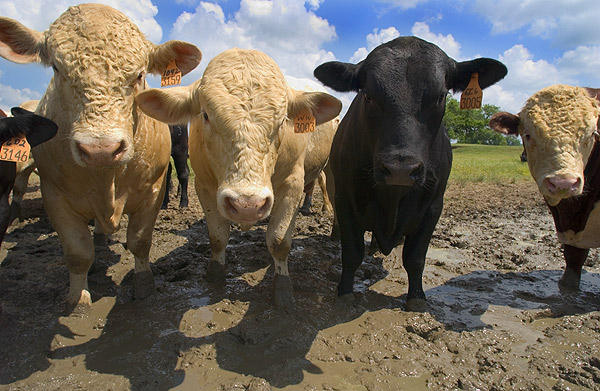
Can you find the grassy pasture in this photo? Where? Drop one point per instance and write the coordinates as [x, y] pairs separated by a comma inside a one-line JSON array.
[[488, 163]]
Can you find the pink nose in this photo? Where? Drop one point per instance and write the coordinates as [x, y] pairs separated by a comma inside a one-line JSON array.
[[247, 208], [101, 153], [558, 185]]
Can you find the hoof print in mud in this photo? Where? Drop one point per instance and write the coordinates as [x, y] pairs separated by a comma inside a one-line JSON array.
[[283, 293], [215, 272], [143, 285]]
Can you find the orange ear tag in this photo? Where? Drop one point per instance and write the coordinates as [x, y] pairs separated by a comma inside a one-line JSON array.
[[472, 95], [305, 122], [15, 150], [171, 76]]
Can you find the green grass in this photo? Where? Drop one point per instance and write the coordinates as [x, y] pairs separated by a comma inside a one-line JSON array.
[[488, 163]]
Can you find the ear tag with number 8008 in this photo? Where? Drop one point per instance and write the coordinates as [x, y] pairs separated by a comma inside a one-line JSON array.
[[472, 95], [15, 150]]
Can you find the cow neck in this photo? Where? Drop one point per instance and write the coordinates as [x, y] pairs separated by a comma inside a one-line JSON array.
[[572, 213]]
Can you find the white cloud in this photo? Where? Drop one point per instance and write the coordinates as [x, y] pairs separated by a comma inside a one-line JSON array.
[[376, 38], [446, 42], [284, 29], [12, 97], [38, 15], [403, 4], [568, 23], [582, 64]]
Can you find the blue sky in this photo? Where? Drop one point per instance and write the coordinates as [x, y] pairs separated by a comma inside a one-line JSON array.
[[542, 42]]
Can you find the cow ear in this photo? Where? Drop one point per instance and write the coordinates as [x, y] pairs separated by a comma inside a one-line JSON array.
[[490, 71], [505, 123], [37, 129], [340, 76], [186, 56], [18, 43], [323, 106], [173, 105]]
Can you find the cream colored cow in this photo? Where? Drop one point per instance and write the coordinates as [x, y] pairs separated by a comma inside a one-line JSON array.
[[248, 161], [108, 158], [559, 129]]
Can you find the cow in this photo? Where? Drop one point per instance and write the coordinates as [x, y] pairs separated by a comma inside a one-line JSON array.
[[308, 193], [391, 156], [108, 158], [248, 161], [179, 153], [24, 170], [36, 130], [559, 128]]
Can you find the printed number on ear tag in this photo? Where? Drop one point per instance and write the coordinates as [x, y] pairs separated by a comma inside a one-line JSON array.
[[171, 76], [305, 122], [15, 150], [472, 95]]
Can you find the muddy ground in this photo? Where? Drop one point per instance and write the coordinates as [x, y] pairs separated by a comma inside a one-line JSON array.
[[497, 320]]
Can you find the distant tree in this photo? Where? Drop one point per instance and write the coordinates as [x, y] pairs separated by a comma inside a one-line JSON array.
[[471, 126]]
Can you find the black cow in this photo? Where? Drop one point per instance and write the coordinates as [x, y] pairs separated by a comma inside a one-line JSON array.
[[391, 156], [179, 152], [36, 130]]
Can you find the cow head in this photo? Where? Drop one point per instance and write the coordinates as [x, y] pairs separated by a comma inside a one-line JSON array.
[[402, 87], [558, 126], [100, 60], [239, 110]]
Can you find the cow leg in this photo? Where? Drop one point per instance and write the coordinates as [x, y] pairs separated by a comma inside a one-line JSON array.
[[327, 207], [353, 245], [19, 190], [279, 236], [4, 208], [414, 253], [100, 238], [571, 277], [78, 249], [218, 235], [183, 174], [308, 191], [165, 204]]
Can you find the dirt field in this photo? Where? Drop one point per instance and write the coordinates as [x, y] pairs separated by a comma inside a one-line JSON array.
[[496, 321]]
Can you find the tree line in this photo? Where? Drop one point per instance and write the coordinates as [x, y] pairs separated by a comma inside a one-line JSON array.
[[471, 126]]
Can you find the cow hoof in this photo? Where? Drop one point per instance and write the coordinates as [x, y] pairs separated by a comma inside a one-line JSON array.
[[417, 304], [345, 301], [304, 211], [81, 307], [283, 293], [569, 282], [143, 285], [215, 272]]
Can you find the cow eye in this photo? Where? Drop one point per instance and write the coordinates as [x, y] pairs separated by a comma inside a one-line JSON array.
[[441, 99], [205, 116], [368, 99]]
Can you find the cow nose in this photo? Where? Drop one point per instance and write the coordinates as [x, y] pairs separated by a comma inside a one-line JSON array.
[[245, 209], [557, 185], [399, 174], [102, 152]]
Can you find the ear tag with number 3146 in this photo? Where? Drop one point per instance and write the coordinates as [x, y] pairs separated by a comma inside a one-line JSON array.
[[15, 150]]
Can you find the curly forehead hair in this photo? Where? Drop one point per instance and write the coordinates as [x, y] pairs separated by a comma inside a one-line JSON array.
[[95, 36]]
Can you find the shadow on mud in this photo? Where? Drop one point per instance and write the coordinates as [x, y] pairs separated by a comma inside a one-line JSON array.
[[460, 303]]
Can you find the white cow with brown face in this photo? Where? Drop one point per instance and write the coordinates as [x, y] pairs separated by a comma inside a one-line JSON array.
[[559, 129], [108, 158], [248, 161]]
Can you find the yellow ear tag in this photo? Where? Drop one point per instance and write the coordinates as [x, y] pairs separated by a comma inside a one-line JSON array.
[[171, 76], [305, 122], [15, 150], [472, 95]]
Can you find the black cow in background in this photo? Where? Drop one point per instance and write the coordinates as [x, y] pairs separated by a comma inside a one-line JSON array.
[[391, 156], [179, 153], [36, 130]]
